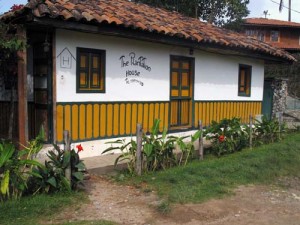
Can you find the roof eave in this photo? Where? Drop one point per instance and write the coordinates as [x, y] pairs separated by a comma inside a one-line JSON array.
[[270, 25], [130, 32]]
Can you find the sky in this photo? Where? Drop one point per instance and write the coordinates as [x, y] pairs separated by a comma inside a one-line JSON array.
[[256, 8]]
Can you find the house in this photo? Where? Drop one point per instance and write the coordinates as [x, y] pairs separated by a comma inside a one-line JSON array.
[[284, 35], [278, 33], [100, 67]]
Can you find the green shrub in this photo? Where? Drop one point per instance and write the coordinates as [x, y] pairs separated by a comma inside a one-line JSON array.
[[52, 177], [157, 150], [268, 131], [16, 167], [227, 136]]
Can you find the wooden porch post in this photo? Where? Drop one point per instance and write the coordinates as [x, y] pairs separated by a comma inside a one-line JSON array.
[[22, 91], [54, 88]]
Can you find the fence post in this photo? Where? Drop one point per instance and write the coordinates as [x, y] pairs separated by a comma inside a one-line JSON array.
[[250, 135], [138, 165], [201, 140], [67, 147], [280, 120]]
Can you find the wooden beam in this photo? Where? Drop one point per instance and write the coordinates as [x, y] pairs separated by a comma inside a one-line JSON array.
[[22, 90], [54, 87]]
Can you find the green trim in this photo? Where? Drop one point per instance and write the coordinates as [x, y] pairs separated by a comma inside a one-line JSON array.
[[179, 87], [246, 101], [208, 101], [248, 79], [106, 102]]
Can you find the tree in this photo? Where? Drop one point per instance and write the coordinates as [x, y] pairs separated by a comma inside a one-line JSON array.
[[287, 71], [219, 12]]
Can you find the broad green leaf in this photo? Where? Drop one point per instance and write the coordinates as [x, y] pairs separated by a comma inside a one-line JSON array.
[[164, 134], [31, 162], [155, 127], [196, 136], [111, 149], [41, 135], [148, 149], [36, 174], [52, 181], [80, 166], [66, 159], [66, 183], [6, 153], [5, 183], [78, 175]]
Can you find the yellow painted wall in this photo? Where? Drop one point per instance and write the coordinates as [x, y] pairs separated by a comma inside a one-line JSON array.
[[208, 111], [87, 121]]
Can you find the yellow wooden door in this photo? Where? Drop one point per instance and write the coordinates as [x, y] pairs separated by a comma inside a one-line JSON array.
[[181, 92]]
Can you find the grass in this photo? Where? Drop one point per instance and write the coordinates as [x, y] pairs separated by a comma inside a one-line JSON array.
[[41, 208], [216, 177]]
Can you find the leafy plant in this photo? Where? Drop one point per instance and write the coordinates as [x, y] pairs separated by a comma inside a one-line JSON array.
[[187, 148], [128, 152], [15, 169], [227, 136], [157, 150], [52, 177], [268, 130], [35, 146]]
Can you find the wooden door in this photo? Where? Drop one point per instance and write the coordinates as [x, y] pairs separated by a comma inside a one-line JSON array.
[[267, 104], [181, 92], [42, 91]]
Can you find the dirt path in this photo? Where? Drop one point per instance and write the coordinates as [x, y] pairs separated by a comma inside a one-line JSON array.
[[250, 205]]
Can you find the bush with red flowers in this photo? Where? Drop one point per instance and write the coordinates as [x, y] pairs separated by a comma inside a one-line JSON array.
[[52, 177], [221, 138], [227, 136]]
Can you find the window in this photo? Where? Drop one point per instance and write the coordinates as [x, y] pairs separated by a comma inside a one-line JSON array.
[[244, 80], [90, 74], [274, 36], [258, 34], [261, 35]]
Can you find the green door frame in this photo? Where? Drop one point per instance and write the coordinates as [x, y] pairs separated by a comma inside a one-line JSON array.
[[190, 98]]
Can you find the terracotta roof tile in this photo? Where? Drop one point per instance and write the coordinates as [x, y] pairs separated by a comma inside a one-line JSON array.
[[144, 17], [270, 22]]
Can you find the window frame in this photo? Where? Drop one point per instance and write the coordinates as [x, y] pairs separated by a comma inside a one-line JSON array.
[[278, 39], [248, 80], [261, 35], [102, 70]]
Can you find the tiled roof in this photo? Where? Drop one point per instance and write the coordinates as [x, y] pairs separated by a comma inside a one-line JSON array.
[[271, 22], [143, 17]]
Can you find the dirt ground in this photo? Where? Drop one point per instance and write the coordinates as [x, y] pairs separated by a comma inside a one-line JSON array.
[[274, 205]]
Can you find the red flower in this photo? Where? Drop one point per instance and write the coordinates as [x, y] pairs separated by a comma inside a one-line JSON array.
[[221, 138], [79, 148], [16, 7]]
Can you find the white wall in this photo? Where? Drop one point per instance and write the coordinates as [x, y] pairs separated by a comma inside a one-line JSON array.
[[216, 76]]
